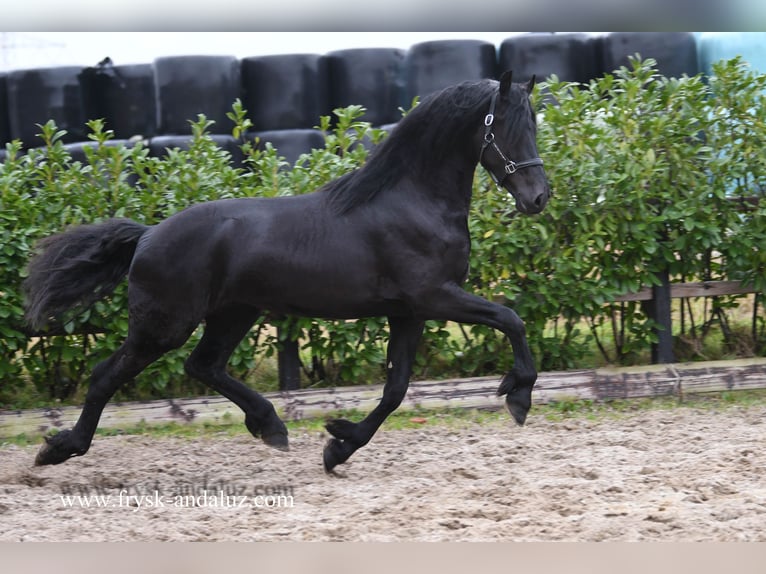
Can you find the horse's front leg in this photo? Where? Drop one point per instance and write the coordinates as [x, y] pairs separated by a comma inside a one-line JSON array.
[[452, 303], [405, 333]]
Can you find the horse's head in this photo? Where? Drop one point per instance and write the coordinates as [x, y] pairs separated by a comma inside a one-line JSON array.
[[509, 147]]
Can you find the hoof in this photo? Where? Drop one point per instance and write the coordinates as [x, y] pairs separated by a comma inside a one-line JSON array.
[[518, 402], [57, 449], [517, 411], [518, 397], [335, 453], [278, 441], [273, 433]]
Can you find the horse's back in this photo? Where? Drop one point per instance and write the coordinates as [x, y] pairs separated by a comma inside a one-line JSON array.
[[286, 254]]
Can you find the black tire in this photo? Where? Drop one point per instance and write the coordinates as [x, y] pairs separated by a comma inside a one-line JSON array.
[[370, 77], [286, 92], [38, 95], [432, 66], [124, 96], [190, 85], [675, 52], [572, 57], [5, 128], [290, 144]]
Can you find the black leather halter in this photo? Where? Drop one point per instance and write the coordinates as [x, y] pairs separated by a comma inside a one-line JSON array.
[[510, 166]]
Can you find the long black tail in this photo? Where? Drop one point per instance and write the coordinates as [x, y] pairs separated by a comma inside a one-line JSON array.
[[78, 267]]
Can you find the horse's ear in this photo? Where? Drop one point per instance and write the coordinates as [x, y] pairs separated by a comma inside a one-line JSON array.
[[531, 84], [505, 83]]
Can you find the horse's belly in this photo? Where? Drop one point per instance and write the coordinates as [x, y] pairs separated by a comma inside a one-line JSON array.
[[338, 296]]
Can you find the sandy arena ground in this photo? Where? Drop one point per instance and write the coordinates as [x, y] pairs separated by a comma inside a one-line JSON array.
[[654, 475]]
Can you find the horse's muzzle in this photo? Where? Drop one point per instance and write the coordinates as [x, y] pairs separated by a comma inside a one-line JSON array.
[[532, 203]]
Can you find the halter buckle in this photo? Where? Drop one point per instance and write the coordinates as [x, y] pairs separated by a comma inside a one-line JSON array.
[[489, 119], [511, 167]]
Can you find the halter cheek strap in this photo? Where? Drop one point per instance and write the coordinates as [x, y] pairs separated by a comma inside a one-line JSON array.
[[510, 167]]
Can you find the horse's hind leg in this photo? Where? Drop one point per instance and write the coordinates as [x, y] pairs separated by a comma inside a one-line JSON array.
[[404, 337], [135, 354], [224, 330]]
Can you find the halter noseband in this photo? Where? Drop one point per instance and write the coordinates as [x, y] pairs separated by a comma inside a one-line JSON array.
[[510, 166]]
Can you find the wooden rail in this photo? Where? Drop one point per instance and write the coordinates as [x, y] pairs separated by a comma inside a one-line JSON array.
[[700, 289], [590, 384], [657, 306]]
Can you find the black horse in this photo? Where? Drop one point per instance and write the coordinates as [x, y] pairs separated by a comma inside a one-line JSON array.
[[389, 239]]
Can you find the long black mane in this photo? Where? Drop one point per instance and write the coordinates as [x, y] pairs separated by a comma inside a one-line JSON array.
[[417, 145]]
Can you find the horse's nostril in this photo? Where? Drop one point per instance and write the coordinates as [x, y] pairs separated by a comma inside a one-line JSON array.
[[540, 200]]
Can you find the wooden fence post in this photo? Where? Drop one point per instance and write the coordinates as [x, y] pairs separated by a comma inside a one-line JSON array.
[[289, 365], [660, 311]]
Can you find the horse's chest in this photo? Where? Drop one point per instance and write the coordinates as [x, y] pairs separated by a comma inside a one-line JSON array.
[[427, 255]]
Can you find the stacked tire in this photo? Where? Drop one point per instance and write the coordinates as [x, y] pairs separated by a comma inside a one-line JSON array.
[[5, 130], [432, 66], [37, 95], [675, 52], [571, 57], [285, 95], [370, 77], [124, 96], [186, 86]]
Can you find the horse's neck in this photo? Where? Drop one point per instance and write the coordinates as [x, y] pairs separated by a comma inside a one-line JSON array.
[[450, 179]]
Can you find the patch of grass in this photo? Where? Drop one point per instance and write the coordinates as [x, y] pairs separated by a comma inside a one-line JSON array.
[[566, 405], [592, 410]]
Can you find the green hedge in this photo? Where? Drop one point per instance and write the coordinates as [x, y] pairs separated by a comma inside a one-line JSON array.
[[651, 170], [646, 172]]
